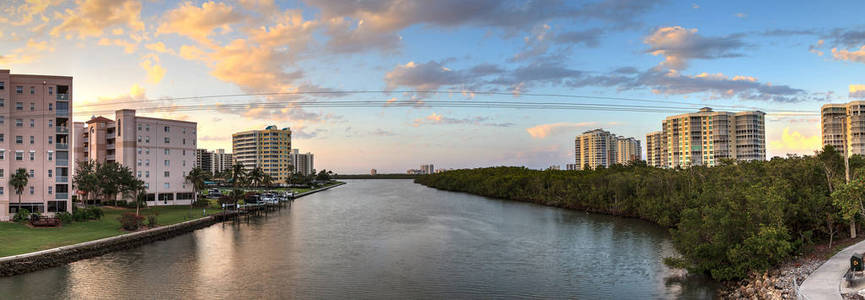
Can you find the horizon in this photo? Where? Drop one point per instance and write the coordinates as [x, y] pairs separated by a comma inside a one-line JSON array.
[[422, 66]]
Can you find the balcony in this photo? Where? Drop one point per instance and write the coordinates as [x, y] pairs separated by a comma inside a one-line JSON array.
[[109, 157], [64, 97], [62, 179], [62, 196], [62, 162], [109, 147], [62, 129], [62, 112], [62, 146]]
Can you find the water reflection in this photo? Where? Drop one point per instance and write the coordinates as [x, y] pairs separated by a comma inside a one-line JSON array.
[[386, 239]]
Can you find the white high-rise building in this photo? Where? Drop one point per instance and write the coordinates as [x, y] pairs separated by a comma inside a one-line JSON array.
[[302, 162], [599, 147]]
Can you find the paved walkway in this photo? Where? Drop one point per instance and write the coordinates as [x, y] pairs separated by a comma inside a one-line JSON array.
[[826, 282]]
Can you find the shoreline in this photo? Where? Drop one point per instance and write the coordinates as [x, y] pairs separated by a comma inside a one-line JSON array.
[[44, 259]]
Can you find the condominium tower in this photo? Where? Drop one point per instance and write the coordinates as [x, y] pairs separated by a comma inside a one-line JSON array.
[[161, 152], [35, 115], [706, 137], [598, 147], [655, 149], [267, 149], [843, 125], [302, 162], [213, 161]]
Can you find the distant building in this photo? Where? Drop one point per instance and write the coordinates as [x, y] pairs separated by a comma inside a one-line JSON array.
[[572, 167], [213, 162], [655, 149], [303, 163], [204, 160], [598, 147], [161, 152], [554, 167], [35, 115], [267, 149], [373, 172], [414, 172], [427, 169], [706, 137], [843, 125]]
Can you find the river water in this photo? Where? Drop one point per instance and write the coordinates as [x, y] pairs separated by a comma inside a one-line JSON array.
[[386, 239]]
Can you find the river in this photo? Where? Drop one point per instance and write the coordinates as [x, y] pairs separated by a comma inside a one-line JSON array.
[[386, 239]]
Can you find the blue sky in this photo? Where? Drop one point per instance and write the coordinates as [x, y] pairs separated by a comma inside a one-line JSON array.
[[781, 57]]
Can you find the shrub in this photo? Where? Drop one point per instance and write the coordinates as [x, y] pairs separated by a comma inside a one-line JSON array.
[[64, 217], [129, 221], [95, 213], [34, 217], [151, 221], [201, 202], [79, 215], [22, 215]]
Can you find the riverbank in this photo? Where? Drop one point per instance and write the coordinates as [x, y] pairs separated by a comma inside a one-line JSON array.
[[29, 249]]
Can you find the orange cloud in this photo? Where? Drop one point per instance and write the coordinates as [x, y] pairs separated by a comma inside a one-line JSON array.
[[795, 142], [92, 17], [847, 55], [198, 23], [857, 91], [544, 130], [155, 72]]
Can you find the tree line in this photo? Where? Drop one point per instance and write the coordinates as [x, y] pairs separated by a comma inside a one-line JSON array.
[[725, 221]]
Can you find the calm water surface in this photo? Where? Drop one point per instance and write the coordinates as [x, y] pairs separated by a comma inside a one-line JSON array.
[[386, 239]]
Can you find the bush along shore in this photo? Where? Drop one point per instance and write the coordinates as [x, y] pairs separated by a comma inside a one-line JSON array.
[[729, 222]]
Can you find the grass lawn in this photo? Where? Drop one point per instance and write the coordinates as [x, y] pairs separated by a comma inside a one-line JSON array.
[[18, 238]]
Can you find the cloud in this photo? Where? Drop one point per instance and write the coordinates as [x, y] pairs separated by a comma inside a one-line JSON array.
[[128, 47], [437, 119], [544, 130], [31, 52], [158, 47], [218, 138], [424, 76], [857, 91], [542, 40], [155, 72], [848, 55], [198, 23], [92, 17], [382, 132], [741, 15], [678, 45], [30, 9], [795, 142], [718, 86]]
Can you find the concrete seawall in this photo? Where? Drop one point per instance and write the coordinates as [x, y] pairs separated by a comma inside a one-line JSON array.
[[39, 260], [34, 261]]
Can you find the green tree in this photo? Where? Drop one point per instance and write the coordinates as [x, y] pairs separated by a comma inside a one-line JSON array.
[[196, 177], [18, 181], [85, 179], [238, 175], [256, 176]]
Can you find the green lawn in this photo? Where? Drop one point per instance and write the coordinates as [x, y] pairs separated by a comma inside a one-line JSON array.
[[18, 238]]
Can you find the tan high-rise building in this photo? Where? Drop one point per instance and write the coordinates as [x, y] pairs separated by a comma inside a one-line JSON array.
[[843, 125], [35, 115], [303, 163], [267, 149], [655, 149], [598, 147], [706, 137], [161, 152]]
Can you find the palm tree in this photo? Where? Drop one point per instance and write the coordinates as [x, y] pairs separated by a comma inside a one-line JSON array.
[[256, 176], [18, 182], [267, 180], [238, 174], [196, 177]]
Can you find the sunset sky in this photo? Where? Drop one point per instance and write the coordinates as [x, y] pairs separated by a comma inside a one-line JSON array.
[[786, 58]]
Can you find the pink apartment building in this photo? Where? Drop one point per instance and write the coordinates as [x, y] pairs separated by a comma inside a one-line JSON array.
[[35, 113], [161, 152]]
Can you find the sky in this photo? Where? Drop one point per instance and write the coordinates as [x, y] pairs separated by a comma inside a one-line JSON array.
[[240, 65]]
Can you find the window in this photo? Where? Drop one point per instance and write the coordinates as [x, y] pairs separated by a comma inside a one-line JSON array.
[[50, 156], [184, 141], [147, 174], [32, 92], [139, 139], [19, 155], [50, 123], [32, 123], [2, 154], [32, 155], [147, 162], [147, 151], [32, 140], [139, 152], [167, 185], [19, 89], [167, 163], [2, 119], [19, 105], [184, 163], [19, 139], [50, 141], [2, 137], [2, 102], [139, 174], [167, 140], [2, 85], [50, 90], [50, 172], [32, 106], [167, 174], [19, 123], [32, 190], [147, 127], [147, 139], [167, 151], [184, 150], [2, 173], [184, 130], [167, 129], [139, 162], [1, 190], [31, 173], [139, 127], [50, 190]]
